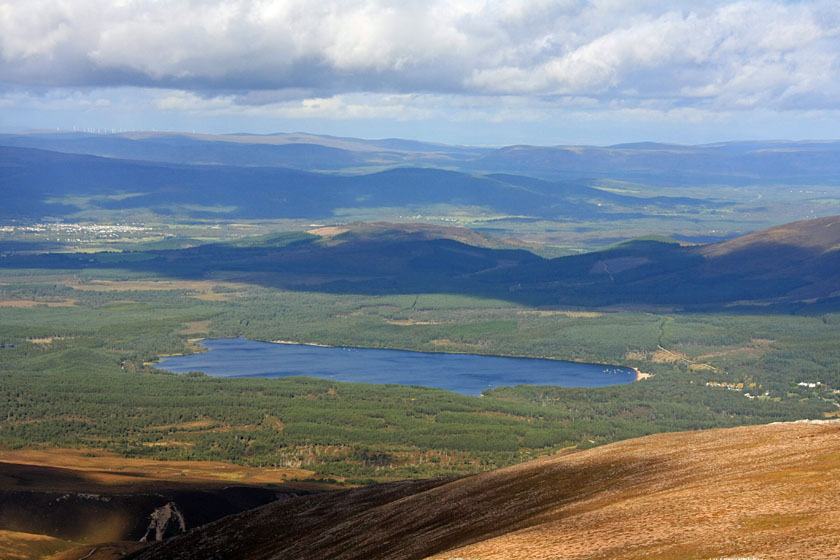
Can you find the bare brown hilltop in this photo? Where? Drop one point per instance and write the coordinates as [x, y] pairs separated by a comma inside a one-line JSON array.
[[404, 230], [761, 492], [802, 258], [819, 235]]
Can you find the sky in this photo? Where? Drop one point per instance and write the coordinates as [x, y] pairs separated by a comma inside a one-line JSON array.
[[454, 71]]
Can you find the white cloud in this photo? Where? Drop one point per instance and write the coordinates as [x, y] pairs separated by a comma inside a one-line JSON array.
[[451, 118], [337, 107], [738, 55], [342, 58]]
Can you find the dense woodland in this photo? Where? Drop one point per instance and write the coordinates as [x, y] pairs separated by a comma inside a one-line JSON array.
[[77, 347]]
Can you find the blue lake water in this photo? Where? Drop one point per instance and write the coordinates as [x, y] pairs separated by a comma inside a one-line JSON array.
[[469, 374]]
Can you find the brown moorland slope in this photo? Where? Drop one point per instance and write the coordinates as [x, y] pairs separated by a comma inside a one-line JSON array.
[[796, 261], [25, 546], [817, 236], [762, 491], [405, 230]]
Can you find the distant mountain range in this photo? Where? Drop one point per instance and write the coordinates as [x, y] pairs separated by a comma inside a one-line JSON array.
[[298, 151], [782, 266], [735, 163], [730, 163], [37, 183], [795, 263]]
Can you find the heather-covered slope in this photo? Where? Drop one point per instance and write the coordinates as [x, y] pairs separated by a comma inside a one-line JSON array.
[[763, 491], [816, 236]]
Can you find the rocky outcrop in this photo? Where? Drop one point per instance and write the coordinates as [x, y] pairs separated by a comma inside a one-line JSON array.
[[165, 521]]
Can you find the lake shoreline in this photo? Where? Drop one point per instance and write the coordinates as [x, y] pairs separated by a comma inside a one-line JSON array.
[[640, 375], [301, 343]]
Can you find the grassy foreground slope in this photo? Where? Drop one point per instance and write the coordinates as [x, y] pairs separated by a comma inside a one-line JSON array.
[[761, 492]]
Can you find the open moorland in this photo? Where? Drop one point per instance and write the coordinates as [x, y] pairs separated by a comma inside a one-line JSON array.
[[756, 492]]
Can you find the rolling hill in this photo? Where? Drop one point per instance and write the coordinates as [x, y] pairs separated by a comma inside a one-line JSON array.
[[808, 250], [794, 262], [295, 150], [729, 163], [815, 237], [36, 183], [788, 265], [762, 492]]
